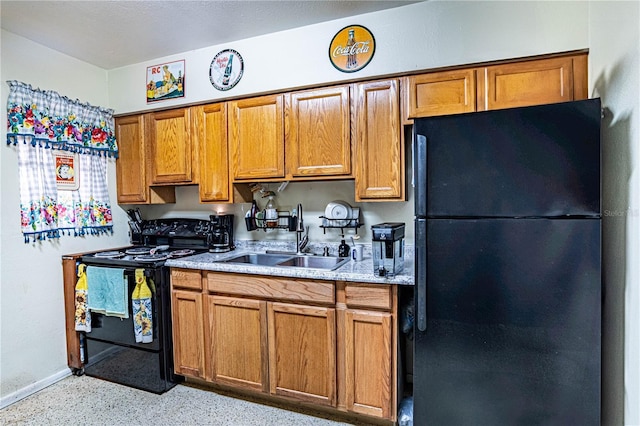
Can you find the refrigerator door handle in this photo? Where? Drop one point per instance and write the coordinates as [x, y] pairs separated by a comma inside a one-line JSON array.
[[421, 273], [420, 172]]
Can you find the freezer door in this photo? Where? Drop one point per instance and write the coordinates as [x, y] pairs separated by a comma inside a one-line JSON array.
[[513, 311], [524, 162]]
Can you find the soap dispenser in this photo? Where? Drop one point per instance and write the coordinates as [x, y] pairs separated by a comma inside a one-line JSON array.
[[343, 248]]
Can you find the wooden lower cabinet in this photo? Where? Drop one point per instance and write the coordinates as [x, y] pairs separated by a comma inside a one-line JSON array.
[[367, 344], [368, 348], [188, 333], [302, 352], [322, 343], [237, 347]]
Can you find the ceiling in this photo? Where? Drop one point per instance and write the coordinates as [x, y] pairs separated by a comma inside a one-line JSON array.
[[112, 34]]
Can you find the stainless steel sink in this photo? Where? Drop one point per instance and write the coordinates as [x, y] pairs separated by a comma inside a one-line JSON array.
[[258, 259], [315, 262], [286, 260]]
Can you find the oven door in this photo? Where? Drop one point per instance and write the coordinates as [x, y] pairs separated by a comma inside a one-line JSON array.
[[112, 352], [119, 331]]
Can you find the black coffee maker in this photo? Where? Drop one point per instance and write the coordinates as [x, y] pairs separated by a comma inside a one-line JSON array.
[[221, 233]]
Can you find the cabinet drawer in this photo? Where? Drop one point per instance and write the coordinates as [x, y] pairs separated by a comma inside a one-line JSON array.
[[186, 278], [272, 288], [368, 296]]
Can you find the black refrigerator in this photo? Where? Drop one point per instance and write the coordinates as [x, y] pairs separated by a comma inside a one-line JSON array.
[[508, 267]]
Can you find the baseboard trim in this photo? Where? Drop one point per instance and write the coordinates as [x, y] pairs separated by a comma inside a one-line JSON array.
[[16, 396]]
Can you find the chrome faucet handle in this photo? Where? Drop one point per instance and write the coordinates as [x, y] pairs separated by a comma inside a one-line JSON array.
[[300, 224], [304, 241]]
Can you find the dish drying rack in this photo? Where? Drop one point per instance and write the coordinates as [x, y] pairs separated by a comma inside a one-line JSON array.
[[328, 223], [285, 221]]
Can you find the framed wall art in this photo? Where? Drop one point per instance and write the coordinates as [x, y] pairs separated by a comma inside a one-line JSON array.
[[67, 176], [352, 48], [165, 81]]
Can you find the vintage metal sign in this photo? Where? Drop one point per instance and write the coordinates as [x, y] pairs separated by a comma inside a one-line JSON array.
[[352, 48], [226, 69], [165, 81], [66, 170]]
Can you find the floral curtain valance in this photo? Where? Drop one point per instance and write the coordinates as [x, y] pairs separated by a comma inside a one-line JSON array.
[[62, 148], [46, 118]]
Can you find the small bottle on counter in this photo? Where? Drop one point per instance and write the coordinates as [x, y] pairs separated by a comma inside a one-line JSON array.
[[343, 249]]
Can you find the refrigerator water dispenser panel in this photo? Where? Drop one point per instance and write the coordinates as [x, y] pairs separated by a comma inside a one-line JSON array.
[[388, 248]]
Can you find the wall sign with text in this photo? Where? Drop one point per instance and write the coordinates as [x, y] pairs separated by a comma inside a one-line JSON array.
[[66, 170], [165, 81], [226, 69], [352, 48]]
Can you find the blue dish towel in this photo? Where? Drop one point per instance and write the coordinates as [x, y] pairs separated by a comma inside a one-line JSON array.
[[107, 291]]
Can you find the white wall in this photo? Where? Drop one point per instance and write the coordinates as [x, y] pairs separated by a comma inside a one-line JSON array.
[[420, 36], [614, 41], [32, 327]]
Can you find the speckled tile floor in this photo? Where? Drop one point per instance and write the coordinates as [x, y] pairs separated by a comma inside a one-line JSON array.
[[89, 401]]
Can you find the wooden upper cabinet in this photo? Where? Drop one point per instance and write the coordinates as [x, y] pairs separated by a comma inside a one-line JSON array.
[[170, 147], [534, 82], [210, 127], [131, 165], [379, 149], [505, 85], [318, 140], [440, 93], [256, 137]]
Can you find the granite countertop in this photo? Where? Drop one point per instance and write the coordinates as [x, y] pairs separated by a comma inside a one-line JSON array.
[[353, 271]]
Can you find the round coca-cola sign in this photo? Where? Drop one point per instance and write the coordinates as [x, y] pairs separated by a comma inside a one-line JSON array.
[[226, 69], [352, 48]]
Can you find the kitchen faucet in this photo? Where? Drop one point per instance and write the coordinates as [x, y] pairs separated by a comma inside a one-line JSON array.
[[301, 243]]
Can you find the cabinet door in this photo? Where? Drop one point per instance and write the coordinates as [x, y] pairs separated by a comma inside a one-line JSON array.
[[302, 352], [379, 148], [170, 148], [210, 125], [318, 141], [520, 84], [238, 345], [257, 137], [188, 335], [131, 163], [368, 362], [440, 93]]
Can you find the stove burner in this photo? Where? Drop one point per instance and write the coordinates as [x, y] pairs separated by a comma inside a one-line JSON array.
[[151, 257], [180, 253], [138, 250], [109, 254]]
